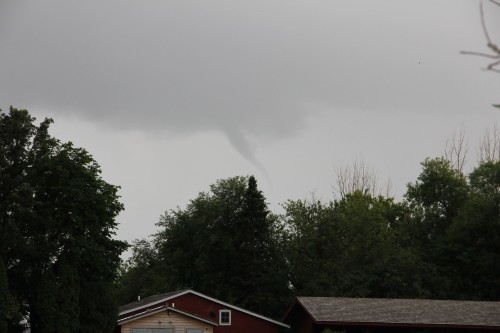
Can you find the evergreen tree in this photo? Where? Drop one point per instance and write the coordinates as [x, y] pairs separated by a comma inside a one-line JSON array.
[[259, 270]]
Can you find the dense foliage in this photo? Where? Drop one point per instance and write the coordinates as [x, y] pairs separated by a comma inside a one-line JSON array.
[[442, 241], [58, 260]]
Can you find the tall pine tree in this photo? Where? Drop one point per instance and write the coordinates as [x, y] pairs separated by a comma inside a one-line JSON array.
[[260, 271]]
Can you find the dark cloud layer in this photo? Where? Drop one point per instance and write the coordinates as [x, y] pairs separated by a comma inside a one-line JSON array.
[[252, 69]]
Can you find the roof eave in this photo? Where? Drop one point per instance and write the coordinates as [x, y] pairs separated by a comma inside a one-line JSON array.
[[419, 325], [162, 300], [161, 309], [141, 315]]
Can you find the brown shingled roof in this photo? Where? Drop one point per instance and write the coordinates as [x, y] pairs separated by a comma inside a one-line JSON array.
[[402, 311]]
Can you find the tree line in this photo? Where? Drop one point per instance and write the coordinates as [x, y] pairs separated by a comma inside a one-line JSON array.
[[441, 241]]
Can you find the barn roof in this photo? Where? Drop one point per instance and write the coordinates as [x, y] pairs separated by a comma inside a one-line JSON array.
[[402, 311], [149, 302]]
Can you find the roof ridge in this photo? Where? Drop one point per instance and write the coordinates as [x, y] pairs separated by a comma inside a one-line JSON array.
[[149, 299], [400, 299]]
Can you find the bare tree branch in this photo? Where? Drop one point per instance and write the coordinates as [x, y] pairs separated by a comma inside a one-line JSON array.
[[360, 177], [491, 66], [480, 54], [483, 23], [489, 147], [456, 150], [492, 46]]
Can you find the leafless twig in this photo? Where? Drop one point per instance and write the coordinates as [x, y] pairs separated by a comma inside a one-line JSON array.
[[489, 147], [456, 150], [360, 177], [492, 46]]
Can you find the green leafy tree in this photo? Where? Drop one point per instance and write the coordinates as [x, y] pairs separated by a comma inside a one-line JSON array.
[[140, 274], [434, 201], [485, 181], [438, 194], [348, 248], [370, 253], [57, 219], [312, 247], [474, 238]]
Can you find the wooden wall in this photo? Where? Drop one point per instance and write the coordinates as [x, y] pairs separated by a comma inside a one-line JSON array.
[[166, 320]]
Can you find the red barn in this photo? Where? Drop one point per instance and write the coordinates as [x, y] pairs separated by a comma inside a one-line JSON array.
[[188, 311]]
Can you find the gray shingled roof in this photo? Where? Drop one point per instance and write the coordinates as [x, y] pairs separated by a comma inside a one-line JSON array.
[[147, 300], [402, 311]]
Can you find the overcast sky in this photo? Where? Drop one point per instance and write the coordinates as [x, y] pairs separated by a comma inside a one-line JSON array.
[[170, 96]]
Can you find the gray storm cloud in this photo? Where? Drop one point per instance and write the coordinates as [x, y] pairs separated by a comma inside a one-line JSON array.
[[247, 69]]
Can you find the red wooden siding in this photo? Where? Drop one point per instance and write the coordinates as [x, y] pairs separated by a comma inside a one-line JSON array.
[[240, 321]]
